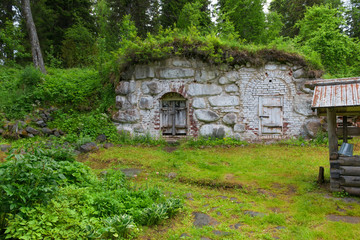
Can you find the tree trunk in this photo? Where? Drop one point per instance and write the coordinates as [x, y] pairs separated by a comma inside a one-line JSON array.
[[34, 40]]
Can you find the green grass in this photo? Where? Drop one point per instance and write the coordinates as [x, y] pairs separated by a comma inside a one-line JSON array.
[[278, 181]]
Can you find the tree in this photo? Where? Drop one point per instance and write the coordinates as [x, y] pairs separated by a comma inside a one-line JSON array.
[[293, 11], [193, 14], [354, 19], [248, 17], [320, 31], [171, 10], [34, 41]]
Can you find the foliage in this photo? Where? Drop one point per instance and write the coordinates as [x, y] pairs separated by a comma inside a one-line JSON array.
[[320, 32], [192, 15], [46, 194], [78, 47]]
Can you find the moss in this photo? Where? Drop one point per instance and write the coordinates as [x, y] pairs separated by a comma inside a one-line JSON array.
[[210, 49]]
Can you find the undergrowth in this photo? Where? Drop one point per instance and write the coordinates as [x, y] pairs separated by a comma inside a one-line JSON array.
[[46, 194]]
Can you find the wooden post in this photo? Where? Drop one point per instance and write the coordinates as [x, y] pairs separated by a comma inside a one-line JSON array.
[[321, 178], [345, 129], [333, 140]]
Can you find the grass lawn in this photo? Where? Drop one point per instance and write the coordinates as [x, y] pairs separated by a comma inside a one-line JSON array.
[[251, 192]]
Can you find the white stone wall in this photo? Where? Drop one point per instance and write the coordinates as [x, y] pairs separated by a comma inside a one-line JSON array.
[[222, 101]]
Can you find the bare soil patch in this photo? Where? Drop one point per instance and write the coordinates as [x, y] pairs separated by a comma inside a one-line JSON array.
[[347, 219]]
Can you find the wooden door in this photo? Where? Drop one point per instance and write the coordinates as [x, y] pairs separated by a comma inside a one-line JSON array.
[[173, 117], [271, 115]]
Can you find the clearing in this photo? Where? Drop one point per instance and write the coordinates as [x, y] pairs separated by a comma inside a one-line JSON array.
[[250, 192]]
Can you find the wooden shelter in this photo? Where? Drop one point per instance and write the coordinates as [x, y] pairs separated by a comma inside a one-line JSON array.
[[333, 98]]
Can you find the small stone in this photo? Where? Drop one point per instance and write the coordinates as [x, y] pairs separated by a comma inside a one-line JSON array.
[[223, 80], [231, 88], [56, 133], [5, 147], [254, 214], [239, 128], [184, 235], [46, 131], [41, 123], [202, 219], [280, 228], [108, 145], [235, 226], [172, 175], [32, 131], [88, 147], [101, 138], [146, 103], [199, 103], [220, 233]]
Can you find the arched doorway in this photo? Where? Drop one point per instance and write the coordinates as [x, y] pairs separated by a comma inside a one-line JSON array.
[[173, 114]]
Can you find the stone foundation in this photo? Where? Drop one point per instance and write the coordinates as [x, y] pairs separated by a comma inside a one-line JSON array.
[[221, 101]]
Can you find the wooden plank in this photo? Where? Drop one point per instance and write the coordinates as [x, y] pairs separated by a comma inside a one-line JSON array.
[[350, 181], [352, 190], [333, 140], [340, 163], [335, 173], [345, 129], [351, 131], [350, 171]]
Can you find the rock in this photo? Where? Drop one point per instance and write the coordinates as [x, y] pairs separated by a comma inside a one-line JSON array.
[[176, 73], [232, 76], [108, 145], [127, 130], [235, 226], [202, 219], [146, 103], [205, 75], [224, 101], [302, 105], [151, 88], [199, 103], [172, 175], [231, 88], [125, 87], [41, 123], [5, 147], [56, 133], [181, 63], [127, 116], [312, 127], [23, 133], [206, 115], [230, 119], [239, 127], [185, 235], [139, 128], [144, 71], [46, 131], [220, 233], [122, 103], [215, 131], [204, 89], [254, 214], [271, 67], [32, 131], [88, 147], [130, 172], [189, 196], [223, 80], [101, 138], [300, 73], [237, 136]]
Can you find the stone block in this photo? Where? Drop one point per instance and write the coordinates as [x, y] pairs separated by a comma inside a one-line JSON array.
[[144, 71], [204, 89], [205, 75], [239, 128], [300, 73], [271, 67], [126, 116], [206, 115], [231, 88], [176, 73], [223, 80], [199, 103], [224, 101], [146, 103], [127, 130], [232, 76], [312, 127], [151, 88], [122, 103], [125, 87], [230, 119], [302, 105], [181, 63], [215, 131]]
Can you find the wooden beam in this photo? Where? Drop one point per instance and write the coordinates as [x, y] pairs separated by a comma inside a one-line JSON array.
[[345, 129], [333, 140]]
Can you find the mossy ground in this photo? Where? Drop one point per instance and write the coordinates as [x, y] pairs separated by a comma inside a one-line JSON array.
[[279, 182]]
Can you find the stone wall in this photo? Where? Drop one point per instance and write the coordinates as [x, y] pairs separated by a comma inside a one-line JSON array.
[[221, 101]]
